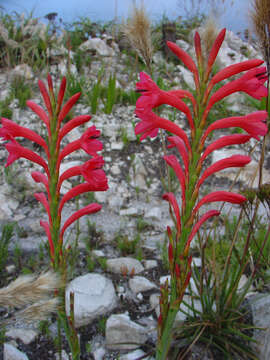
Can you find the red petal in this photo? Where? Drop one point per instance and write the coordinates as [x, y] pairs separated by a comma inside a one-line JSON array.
[[89, 209], [172, 161], [179, 143], [42, 198], [187, 60], [73, 123], [61, 93], [17, 130], [198, 48], [40, 113], [197, 226], [226, 196], [214, 51], [224, 141], [45, 96], [172, 200], [46, 227], [41, 178], [232, 161], [67, 107]]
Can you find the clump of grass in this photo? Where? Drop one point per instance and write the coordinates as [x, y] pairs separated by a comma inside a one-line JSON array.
[[20, 90], [137, 29], [209, 35]]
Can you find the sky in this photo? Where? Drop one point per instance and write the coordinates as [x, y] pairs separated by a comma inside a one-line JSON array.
[[235, 18]]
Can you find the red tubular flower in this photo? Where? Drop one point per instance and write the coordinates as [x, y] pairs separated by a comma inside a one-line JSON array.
[[156, 122], [89, 209], [172, 200], [87, 142], [153, 96], [17, 151], [71, 124], [224, 141], [251, 83], [43, 200], [45, 96], [61, 94], [187, 60], [214, 51], [80, 189], [91, 171], [179, 143], [198, 49], [172, 161], [38, 177], [209, 214], [66, 108], [170, 253], [16, 130], [252, 123], [232, 161], [46, 227], [226, 196], [40, 113]]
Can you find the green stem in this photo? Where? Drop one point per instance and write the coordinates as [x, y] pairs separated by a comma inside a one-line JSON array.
[[164, 343]]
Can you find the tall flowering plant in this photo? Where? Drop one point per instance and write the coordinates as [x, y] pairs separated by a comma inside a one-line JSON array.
[[190, 167], [55, 151]]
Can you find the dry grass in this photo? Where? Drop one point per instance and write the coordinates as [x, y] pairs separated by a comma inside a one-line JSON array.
[[137, 29], [208, 35], [260, 16], [28, 289]]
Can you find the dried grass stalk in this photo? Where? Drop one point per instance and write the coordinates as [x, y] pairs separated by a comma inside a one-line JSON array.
[[208, 35], [260, 16], [137, 29], [38, 311], [28, 289]]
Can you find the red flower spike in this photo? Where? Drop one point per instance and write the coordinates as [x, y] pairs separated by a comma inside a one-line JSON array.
[[66, 108], [172, 200], [232, 161], [187, 60], [253, 124], [172, 161], [80, 189], [177, 271], [16, 130], [40, 113], [45, 96], [17, 151], [214, 51], [209, 214], [179, 143], [226, 196], [184, 94], [43, 200], [89, 209], [46, 227], [224, 141]]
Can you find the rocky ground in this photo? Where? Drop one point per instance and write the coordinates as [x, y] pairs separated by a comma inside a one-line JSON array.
[[118, 265]]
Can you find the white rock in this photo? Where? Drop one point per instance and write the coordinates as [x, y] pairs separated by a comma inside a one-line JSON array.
[[139, 284], [94, 295], [117, 145], [11, 353], [99, 354], [187, 76], [154, 213], [132, 211], [99, 45], [25, 335], [133, 355], [124, 334], [64, 356], [150, 264], [182, 44], [124, 264]]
